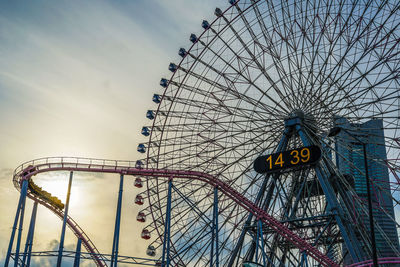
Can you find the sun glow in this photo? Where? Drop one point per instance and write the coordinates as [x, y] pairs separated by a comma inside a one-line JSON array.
[[57, 186]]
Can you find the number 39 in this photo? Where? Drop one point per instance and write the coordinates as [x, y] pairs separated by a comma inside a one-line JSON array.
[[304, 156]]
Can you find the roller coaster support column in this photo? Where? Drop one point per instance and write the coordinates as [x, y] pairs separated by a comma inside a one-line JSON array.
[[20, 210], [29, 238], [167, 233], [215, 230], [60, 249], [78, 253], [114, 254]]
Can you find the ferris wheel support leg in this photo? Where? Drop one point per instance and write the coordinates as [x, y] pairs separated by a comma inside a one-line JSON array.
[[215, 231], [29, 238], [167, 234], [61, 247], [114, 254], [333, 205], [257, 241], [78, 253], [281, 147], [19, 212], [262, 242]]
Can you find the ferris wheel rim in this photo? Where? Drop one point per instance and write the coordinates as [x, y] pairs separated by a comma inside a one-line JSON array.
[[170, 107]]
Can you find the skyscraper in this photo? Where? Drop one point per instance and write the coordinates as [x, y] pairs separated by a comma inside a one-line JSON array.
[[350, 161]]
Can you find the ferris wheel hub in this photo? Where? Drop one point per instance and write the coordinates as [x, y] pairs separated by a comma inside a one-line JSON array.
[[299, 117], [297, 113]]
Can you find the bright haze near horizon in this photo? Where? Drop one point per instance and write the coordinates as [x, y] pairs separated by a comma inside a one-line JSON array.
[[76, 79]]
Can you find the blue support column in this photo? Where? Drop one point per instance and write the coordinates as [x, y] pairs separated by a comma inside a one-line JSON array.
[[114, 254], [166, 241], [215, 231], [262, 242], [24, 191], [61, 247], [78, 253], [22, 197], [29, 238]]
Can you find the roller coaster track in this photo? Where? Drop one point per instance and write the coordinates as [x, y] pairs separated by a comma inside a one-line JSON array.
[[88, 256], [33, 167]]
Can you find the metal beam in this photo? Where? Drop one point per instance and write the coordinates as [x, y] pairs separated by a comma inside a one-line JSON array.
[[21, 220], [22, 197], [29, 238], [114, 254], [78, 253], [167, 234], [61, 247]]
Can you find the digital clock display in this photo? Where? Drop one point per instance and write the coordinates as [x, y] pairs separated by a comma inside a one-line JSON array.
[[287, 159]]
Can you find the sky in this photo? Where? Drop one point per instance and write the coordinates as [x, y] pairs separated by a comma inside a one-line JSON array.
[[76, 79]]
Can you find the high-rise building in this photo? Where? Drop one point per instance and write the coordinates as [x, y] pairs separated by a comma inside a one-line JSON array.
[[350, 161]]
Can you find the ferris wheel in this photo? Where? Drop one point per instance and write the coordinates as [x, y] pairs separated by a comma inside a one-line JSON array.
[[266, 77]]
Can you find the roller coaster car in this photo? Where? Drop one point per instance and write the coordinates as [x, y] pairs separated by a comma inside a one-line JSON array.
[[145, 234], [46, 196], [29, 170], [158, 263]]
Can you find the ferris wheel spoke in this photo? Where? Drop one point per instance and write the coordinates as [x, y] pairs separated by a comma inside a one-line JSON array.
[[237, 72], [348, 48], [262, 70], [353, 66], [288, 89], [191, 145], [229, 90], [386, 79]]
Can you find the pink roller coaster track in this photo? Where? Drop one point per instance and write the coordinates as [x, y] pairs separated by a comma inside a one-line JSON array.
[[127, 168]]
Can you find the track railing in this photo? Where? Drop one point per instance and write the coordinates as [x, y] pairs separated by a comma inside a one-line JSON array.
[[87, 256], [33, 167]]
